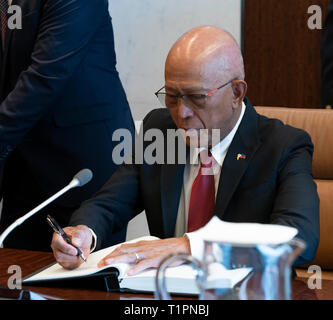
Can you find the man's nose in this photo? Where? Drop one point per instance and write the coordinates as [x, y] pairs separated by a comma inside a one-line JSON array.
[[183, 110]]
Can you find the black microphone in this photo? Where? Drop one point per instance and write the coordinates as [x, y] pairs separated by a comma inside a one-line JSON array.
[[79, 180]]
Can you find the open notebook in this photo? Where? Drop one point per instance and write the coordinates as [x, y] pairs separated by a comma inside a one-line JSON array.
[[180, 279]]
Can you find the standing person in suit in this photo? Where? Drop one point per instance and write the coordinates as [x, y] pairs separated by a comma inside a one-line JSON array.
[[327, 61], [262, 169], [61, 101]]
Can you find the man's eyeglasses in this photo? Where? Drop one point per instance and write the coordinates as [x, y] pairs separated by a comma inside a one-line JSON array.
[[198, 100]]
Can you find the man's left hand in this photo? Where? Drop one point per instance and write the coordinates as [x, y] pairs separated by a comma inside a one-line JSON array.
[[146, 254]]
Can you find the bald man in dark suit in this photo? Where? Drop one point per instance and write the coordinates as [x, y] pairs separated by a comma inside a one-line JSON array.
[[261, 168]]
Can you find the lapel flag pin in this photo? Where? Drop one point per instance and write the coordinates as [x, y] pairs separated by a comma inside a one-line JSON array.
[[241, 156]]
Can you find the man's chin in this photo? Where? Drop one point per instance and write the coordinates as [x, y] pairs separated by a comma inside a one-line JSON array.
[[196, 138], [197, 143], [192, 144]]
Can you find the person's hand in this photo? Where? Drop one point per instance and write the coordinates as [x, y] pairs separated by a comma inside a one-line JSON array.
[[146, 254], [64, 253]]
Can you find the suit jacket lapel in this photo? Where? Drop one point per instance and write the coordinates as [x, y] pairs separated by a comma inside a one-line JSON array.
[[171, 187], [172, 179], [246, 141]]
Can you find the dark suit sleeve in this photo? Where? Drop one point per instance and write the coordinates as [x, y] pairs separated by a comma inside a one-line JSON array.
[[66, 27], [327, 59], [119, 200], [297, 203], [113, 206]]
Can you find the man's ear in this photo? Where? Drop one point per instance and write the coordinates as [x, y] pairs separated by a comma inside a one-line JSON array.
[[239, 89]]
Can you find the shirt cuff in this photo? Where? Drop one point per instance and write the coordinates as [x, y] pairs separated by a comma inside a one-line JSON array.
[[94, 240], [196, 245]]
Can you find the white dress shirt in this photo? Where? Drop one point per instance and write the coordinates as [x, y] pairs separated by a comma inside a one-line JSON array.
[[191, 171]]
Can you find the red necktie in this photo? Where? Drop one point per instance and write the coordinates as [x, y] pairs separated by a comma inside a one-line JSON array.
[[202, 200], [3, 15]]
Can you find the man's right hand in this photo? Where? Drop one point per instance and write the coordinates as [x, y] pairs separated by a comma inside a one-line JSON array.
[[64, 253]]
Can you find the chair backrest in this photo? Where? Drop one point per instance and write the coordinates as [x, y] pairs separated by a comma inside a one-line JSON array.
[[319, 124]]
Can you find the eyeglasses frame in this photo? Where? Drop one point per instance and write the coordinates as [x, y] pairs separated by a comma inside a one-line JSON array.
[[205, 95]]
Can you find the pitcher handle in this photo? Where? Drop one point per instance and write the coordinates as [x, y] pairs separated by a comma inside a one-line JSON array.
[[161, 292]]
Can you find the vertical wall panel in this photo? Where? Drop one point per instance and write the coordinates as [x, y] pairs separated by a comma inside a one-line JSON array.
[[282, 55]]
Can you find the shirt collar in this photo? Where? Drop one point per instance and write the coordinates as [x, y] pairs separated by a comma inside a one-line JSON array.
[[219, 150]]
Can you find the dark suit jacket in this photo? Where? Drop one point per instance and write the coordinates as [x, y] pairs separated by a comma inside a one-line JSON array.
[[272, 185], [61, 100], [327, 59]]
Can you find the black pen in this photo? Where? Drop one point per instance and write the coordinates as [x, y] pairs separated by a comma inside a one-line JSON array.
[[55, 226]]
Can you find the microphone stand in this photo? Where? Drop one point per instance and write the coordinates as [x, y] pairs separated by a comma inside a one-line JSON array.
[[74, 183]]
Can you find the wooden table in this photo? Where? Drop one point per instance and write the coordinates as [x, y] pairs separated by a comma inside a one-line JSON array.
[[30, 261]]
